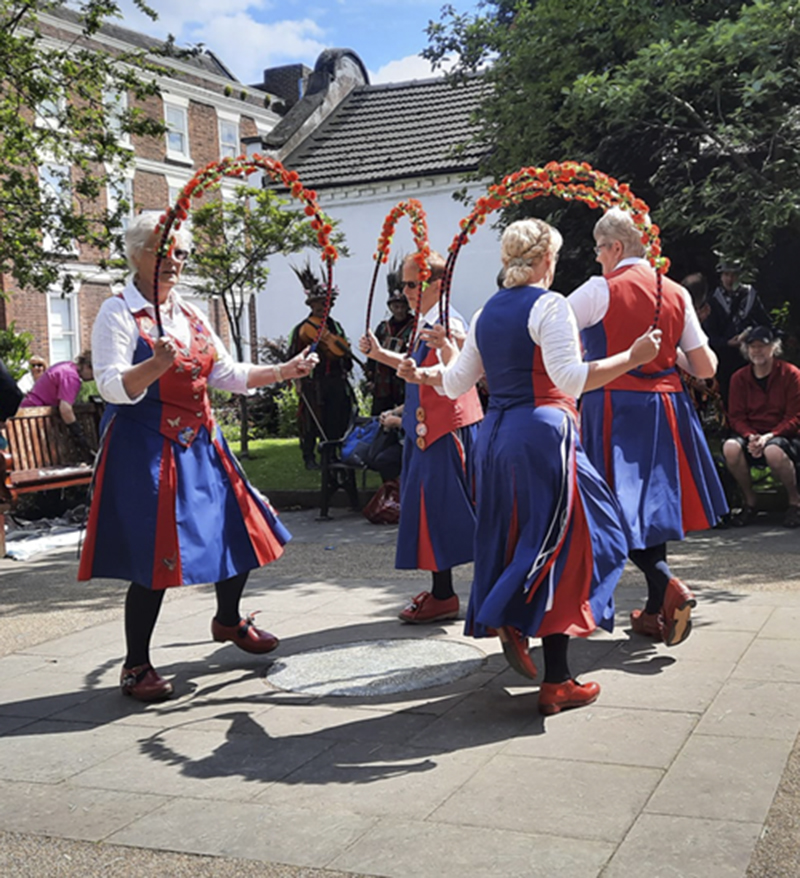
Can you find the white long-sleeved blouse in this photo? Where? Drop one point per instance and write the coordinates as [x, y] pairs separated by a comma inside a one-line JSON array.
[[115, 334]]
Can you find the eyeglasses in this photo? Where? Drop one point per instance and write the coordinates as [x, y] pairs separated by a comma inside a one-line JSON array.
[[415, 284], [177, 255], [599, 247]]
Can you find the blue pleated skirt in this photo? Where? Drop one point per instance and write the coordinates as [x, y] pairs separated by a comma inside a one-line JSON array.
[[550, 544], [651, 450], [437, 514], [164, 515]]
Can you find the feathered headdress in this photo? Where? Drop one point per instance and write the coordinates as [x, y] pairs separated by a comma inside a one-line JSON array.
[[394, 281], [313, 287]]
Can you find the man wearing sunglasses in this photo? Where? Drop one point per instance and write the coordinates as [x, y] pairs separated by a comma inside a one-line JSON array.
[[437, 516]]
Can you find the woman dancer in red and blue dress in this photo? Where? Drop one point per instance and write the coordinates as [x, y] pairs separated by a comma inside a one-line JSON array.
[[549, 545], [170, 504], [437, 516], [642, 431]]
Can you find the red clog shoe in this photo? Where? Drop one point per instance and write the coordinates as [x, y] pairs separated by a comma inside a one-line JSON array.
[[647, 624], [245, 635], [555, 697], [517, 651], [144, 684], [426, 608], [676, 612]]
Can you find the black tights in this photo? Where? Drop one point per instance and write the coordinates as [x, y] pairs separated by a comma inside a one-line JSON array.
[[652, 561], [442, 587], [556, 667], [142, 606]]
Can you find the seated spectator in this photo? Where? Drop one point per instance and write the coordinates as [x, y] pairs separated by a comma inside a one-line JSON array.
[[59, 386], [764, 413], [386, 452], [36, 367]]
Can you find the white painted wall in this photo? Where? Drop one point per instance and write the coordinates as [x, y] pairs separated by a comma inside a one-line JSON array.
[[361, 213]]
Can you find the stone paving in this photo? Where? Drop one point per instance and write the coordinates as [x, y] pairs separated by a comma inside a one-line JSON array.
[[673, 772]]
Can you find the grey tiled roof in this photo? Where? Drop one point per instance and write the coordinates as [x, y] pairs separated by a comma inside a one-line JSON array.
[[202, 59], [388, 132]]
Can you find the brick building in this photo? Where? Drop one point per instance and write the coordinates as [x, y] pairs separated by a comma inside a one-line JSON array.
[[208, 113]]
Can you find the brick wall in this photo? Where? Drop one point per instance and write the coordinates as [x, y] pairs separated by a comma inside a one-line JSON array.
[[92, 296], [150, 191], [203, 134]]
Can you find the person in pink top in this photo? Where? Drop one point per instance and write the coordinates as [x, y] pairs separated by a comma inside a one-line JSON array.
[[59, 386]]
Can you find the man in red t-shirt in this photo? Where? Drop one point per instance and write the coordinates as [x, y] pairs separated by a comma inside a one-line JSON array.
[[764, 412]]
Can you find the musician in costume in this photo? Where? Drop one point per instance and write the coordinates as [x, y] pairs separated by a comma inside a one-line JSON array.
[[641, 431], [394, 334], [550, 546], [170, 504], [327, 401], [437, 516]]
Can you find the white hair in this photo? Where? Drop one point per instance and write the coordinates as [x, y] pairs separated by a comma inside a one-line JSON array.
[[141, 229], [776, 347], [617, 225], [523, 246]]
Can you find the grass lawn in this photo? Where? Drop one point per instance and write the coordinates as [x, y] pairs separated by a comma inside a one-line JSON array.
[[276, 465]]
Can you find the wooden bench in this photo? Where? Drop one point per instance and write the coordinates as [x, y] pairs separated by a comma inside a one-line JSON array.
[[43, 456]]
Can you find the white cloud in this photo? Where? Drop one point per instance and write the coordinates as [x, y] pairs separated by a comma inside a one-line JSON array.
[[247, 47], [179, 16], [410, 67], [244, 45]]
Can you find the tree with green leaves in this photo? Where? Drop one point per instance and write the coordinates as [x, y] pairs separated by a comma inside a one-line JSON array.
[[233, 241], [15, 350], [63, 112], [694, 103]]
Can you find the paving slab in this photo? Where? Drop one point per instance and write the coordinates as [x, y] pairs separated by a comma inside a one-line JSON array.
[[595, 800], [68, 811], [401, 848], [616, 736], [722, 778], [666, 846], [248, 830]]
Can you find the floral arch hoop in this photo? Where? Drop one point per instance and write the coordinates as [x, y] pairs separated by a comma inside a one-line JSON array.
[[412, 208], [569, 181], [243, 166]]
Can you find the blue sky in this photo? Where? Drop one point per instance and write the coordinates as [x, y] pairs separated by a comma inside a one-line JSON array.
[[249, 35]]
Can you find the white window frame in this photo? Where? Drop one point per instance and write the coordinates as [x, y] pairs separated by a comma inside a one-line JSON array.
[[64, 193], [50, 120], [227, 147], [116, 104], [121, 185], [181, 105], [72, 334]]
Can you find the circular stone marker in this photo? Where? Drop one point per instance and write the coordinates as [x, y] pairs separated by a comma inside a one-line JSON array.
[[375, 667]]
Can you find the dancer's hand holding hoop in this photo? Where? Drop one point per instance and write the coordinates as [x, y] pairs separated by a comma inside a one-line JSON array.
[[646, 347], [368, 344]]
